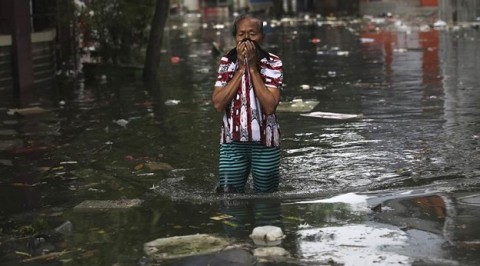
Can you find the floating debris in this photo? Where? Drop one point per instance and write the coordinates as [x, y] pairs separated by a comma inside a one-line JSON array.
[[172, 102], [153, 166], [68, 162], [109, 204], [305, 87], [184, 246], [439, 24], [367, 40], [175, 60], [267, 235], [221, 217], [297, 105], [328, 115], [28, 111], [146, 174], [121, 122]]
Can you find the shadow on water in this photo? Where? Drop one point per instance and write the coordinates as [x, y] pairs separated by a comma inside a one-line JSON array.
[[412, 157]]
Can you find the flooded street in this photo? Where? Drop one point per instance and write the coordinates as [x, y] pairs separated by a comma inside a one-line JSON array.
[[399, 184]]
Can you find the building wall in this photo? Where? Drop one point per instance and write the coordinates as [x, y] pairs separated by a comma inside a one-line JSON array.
[[6, 81], [399, 7], [191, 5], [453, 11], [429, 2], [43, 53], [5, 15]]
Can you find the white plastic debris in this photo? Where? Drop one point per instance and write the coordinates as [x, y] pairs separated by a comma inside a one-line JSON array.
[[305, 86], [267, 235], [172, 102], [184, 246], [367, 40], [297, 105], [329, 115], [121, 122], [439, 24], [332, 74], [68, 162]]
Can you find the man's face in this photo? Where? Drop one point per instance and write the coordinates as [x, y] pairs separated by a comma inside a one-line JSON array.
[[249, 28]]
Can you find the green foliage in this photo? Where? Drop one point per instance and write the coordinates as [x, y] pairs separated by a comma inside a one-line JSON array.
[[37, 225], [118, 29]]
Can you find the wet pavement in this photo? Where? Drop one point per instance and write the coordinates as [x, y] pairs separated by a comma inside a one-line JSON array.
[[397, 185]]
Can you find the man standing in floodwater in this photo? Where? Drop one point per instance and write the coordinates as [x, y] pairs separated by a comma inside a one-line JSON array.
[[247, 90]]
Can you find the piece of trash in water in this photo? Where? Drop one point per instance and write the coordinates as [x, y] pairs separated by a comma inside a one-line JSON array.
[[109, 204], [96, 190], [65, 228], [175, 60], [172, 102], [304, 226], [68, 162], [293, 218], [332, 74], [184, 246], [328, 115], [439, 24], [28, 111], [121, 122], [153, 166], [297, 105], [315, 40], [305, 86], [153, 187], [221, 217], [367, 40], [267, 235], [146, 174]]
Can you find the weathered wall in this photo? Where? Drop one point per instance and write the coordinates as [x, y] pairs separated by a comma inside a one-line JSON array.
[[453, 11], [43, 57]]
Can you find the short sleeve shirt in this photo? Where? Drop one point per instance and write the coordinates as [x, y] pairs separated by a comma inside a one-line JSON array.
[[244, 119]]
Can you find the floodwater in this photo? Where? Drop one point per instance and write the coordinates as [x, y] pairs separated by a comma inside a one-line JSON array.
[[398, 185]]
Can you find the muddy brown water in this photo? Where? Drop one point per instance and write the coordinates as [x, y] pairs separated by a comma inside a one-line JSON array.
[[414, 150]]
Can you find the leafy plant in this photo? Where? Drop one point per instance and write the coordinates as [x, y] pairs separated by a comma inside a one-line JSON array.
[[118, 29]]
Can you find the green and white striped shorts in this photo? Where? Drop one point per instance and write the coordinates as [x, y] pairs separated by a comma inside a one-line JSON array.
[[238, 159]]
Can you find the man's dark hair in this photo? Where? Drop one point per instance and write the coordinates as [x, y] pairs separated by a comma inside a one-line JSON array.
[[242, 17]]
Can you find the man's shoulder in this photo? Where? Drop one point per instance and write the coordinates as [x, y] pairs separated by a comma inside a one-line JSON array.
[[274, 56], [274, 60]]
